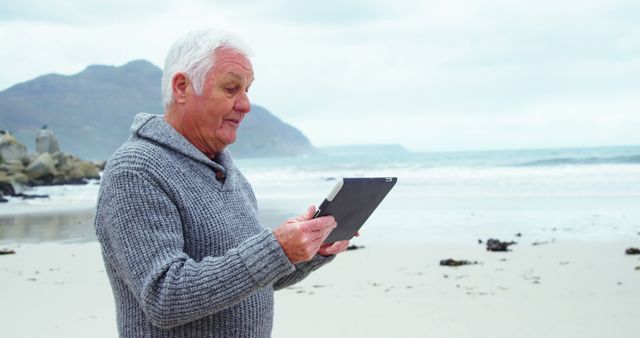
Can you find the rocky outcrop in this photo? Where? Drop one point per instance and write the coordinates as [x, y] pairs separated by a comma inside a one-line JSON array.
[[46, 142], [11, 149], [12, 166], [60, 168], [43, 168], [73, 170]]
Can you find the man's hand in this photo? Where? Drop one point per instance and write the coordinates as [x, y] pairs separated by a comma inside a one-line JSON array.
[[328, 249], [301, 237]]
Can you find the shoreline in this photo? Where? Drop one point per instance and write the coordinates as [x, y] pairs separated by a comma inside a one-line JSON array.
[[50, 226], [28, 210]]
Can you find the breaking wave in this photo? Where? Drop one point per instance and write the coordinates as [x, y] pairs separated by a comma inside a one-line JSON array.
[[634, 159]]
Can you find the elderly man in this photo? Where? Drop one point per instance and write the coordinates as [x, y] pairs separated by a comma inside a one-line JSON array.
[[183, 248]]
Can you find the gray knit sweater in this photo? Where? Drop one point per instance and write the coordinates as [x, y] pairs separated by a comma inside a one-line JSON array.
[[184, 252]]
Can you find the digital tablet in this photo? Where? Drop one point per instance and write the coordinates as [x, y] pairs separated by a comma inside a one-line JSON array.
[[351, 202]]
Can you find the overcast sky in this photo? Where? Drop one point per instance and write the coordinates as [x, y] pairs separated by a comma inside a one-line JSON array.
[[431, 75]]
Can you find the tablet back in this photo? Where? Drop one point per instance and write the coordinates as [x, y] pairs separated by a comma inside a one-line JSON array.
[[351, 203]]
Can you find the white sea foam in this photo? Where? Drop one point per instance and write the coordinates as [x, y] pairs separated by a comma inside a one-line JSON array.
[[61, 198], [597, 180]]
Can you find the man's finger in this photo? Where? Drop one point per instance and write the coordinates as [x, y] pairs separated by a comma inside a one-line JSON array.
[[334, 248], [311, 210], [318, 224]]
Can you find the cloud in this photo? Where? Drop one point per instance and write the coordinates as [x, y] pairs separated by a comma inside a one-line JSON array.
[[80, 13], [431, 74]]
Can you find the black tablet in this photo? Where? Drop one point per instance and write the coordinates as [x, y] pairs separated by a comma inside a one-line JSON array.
[[351, 202]]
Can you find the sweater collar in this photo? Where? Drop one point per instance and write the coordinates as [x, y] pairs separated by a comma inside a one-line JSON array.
[[155, 128]]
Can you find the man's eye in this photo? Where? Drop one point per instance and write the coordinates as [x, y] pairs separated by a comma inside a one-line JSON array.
[[231, 90]]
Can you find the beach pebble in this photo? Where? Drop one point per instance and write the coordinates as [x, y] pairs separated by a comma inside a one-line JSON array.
[[497, 245], [540, 243], [7, 252], [454, 262], [633, 251]]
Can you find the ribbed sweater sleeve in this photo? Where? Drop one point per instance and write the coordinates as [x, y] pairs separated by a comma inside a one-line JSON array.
[[145, 243], [302, 271]]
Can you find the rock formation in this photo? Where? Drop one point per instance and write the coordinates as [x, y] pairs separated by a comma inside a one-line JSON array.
[[48, 166], [46, 142], [42, 167], [11, 149]]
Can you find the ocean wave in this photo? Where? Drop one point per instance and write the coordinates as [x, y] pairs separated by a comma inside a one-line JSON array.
[[633, 159]]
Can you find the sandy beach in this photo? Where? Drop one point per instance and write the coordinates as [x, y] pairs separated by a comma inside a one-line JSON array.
[[573, 289], [577, 283], [559, 289]]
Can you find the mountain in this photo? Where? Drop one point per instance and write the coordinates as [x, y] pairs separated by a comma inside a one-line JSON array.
[[90, 112], [261, 134]]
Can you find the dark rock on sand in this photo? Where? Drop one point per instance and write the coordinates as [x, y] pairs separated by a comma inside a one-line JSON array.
[[497, 245], [633, 251], [454, 262], [7, 252], [541, 243]]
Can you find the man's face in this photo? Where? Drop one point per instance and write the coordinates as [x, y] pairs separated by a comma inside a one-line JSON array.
[[212, 119]]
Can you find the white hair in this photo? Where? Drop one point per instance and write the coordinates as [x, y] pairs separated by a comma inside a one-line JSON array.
[[193, 54]]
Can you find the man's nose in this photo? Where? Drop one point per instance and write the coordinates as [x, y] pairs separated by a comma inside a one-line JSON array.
[[242, 103]]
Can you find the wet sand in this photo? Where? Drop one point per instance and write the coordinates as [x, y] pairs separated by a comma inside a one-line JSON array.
[[48, 226]]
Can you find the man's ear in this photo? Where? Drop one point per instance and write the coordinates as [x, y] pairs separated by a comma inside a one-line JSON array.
[[180, 85]]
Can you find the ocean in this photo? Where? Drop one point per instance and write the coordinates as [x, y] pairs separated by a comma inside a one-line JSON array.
[[537, 195], [543, 194]]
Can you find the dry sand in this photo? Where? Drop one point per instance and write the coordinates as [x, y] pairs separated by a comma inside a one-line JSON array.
[[561, 289], [580, 289], [55, 290]]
